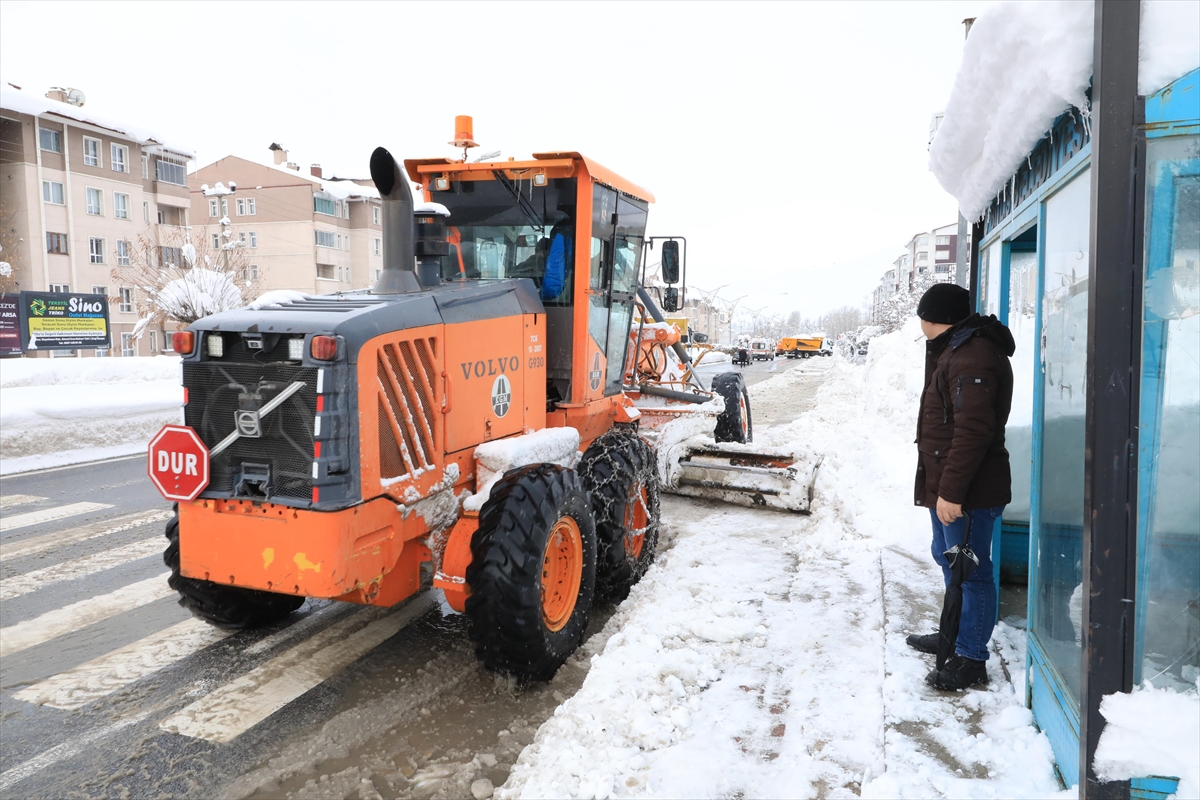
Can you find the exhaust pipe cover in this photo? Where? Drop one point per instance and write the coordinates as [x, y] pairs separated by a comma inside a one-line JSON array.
[[399, 274]]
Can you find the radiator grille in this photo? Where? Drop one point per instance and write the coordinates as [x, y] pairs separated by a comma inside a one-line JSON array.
[[406, 408], [286, 444]]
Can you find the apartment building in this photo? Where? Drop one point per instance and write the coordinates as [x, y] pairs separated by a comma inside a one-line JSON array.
[[297, 229], [933, 251], [78, 190]]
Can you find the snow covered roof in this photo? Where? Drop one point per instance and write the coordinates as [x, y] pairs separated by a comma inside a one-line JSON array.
[[1023, 65], [340, 188], [24, 102]]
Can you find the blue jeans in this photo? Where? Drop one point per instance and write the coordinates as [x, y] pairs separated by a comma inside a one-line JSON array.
[[979, 591]]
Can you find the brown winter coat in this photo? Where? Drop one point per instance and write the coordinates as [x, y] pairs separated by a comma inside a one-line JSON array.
[[964, 408]]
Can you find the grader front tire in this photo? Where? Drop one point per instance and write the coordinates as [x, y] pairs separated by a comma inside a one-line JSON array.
[[532, 573]]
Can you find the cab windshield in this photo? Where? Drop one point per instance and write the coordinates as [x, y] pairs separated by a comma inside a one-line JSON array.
[[504, 228]]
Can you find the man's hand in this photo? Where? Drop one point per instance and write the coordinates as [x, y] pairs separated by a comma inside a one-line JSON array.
[[947, 512]]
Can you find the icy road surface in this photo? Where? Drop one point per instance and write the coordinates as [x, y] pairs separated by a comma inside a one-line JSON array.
[[109, 689]]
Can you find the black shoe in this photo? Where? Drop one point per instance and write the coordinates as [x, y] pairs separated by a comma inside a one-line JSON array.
[[959, 673], [926, 644]]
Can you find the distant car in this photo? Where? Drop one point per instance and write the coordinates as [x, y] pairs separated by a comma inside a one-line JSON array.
[[741, 357], [862, 347]]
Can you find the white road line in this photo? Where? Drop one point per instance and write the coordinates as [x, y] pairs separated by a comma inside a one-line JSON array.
[[293, 631], [13, 500], [102, 676], [49, 515], [61, 752], [226, 713], [17, 585], [52, 624], [38, 544]]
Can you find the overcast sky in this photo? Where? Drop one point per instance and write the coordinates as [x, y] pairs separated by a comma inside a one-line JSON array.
[[786, 141]]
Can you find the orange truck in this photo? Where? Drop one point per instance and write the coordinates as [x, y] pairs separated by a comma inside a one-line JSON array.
[[802, 347], [481, 421]]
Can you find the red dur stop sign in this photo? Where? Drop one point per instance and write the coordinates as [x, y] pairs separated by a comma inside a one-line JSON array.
[[178, 463]]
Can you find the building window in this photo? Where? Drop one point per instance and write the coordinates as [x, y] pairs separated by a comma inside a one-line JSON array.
[[323, 205], [216, 239], [95, 250], [52, 192], [167, 347], [153, 341], [253, 239], [123, 251], [250, 207], [146, 211], [145, 167], [60, 287], [56, 243], [241, 207], [161, 217], [50, 141], [95, 202], [128, 348], [91, 152], [378, 275], [212, 208], [378, 246], [254, 272], [245, 206], [339, 241], [375, 214], [326, 239], [242, 239], [922, 257], [170, 172], [347, 274], [923, 241], [170, 257], [120, 205], [942, 255], [125, 298], [119, 156], [942, 241], [100, 290], [941, 268], [101, 353]]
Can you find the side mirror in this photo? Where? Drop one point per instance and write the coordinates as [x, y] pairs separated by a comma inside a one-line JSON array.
[[670, 262], [670, 300]]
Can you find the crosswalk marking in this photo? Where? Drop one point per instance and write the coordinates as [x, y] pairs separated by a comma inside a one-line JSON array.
[[8, 501], [102, 676], [27, 582], [38, 544], [229, 711], [295, 630], [62, 752], [10, 523], [52, 624]]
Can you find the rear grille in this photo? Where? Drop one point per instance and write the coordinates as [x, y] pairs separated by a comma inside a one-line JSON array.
[[286, 444], [405, 373]]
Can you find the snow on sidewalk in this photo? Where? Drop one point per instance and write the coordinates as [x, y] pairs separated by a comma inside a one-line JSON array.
[[71, 410], [763, 655]]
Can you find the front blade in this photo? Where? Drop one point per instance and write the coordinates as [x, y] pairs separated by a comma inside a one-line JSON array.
[[738, 474]]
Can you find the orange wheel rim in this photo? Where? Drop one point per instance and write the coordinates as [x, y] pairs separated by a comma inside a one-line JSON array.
[[636, 520], [562, 572]]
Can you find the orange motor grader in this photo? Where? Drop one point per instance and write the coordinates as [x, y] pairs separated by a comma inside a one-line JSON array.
[[434, 425]]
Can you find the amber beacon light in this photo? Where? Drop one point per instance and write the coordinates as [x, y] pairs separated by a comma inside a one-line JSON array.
[[464, 134]]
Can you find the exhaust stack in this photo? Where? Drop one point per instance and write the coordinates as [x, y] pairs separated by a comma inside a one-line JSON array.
[[399, 274]]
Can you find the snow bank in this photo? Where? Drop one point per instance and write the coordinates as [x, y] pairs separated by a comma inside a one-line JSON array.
[[48, 418], [493, 459], [1023, 65], [762, 656], [1151, 732]]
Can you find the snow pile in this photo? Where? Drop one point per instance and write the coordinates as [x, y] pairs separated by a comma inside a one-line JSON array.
[[1023, 65], [277, 297], [199, 293], [493, 459], [48, 418], [1151, 732], [763, 654]]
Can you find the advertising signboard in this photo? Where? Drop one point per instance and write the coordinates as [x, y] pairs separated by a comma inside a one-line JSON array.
[[64, 321], [10, 325]]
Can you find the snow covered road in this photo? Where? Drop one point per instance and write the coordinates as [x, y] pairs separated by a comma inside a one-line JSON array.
[[764, 654]]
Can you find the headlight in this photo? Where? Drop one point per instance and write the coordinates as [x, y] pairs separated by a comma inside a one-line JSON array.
[[216, 345], [296, 349]]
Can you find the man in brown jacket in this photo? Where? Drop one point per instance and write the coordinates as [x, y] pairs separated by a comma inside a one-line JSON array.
[[962, 464]]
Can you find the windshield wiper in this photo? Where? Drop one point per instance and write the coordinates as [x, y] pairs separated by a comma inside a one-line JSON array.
[[527, 209]]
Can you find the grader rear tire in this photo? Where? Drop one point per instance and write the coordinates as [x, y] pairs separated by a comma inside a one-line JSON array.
[[622, 478], [532, 573], [228, 607]]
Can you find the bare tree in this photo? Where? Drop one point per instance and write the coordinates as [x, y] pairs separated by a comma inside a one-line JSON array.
[[892, 313], [10, 245], [182, 279], [841, 320]]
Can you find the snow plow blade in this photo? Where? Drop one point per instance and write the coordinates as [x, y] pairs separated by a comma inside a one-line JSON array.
[[759, 479]]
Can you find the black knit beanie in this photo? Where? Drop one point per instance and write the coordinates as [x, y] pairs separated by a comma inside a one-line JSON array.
[[945, 304]]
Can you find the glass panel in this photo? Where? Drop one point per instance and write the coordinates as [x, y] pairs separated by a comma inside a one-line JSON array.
[[1022, 319], [1169, 461], [989, 280], [1059, 551], [604, 204], [627, 250]]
